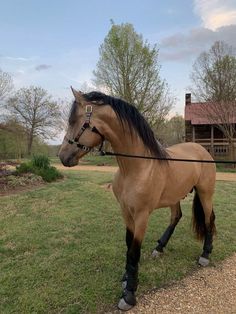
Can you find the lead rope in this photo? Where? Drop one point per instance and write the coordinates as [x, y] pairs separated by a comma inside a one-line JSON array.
[[104, 153]]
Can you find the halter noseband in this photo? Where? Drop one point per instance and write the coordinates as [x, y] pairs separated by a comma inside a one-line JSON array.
[[86, 125]]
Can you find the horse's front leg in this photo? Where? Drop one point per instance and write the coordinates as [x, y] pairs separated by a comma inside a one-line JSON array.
[[134, 240]]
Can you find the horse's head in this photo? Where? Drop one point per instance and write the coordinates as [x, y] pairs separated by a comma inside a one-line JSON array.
[[82, 133]]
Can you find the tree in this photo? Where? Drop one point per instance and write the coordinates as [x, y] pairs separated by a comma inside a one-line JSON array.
[[65, 107], [173, 131], [6, 85], [34, 109], [214, 79], [214, 74], [12, 139], [128, 68]]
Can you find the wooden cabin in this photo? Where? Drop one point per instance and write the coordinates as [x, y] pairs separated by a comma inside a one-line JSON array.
[[199, 129]]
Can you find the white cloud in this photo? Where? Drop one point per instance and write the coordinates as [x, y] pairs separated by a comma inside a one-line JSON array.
[[216, 13], [18, 59], [186, 46]]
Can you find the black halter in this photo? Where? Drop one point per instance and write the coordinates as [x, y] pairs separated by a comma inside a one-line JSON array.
[[86, 125]]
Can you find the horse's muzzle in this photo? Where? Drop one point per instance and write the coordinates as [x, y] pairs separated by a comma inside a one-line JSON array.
[[70, 161]]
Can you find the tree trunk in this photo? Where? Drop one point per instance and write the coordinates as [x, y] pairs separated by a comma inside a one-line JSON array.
[[30, 142]]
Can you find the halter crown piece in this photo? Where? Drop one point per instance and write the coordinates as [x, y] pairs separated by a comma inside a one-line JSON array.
[[86, 125]]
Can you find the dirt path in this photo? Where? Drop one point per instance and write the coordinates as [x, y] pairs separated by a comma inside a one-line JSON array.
[[88, 168], [225, 176], [221, 176]]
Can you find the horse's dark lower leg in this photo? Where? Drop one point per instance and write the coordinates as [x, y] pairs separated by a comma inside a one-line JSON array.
[[176, 215], [128, 299], [162, 242], [129, 239], [204, 222], [208, 246]]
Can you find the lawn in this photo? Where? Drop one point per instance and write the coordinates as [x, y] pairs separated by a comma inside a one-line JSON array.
[[62, 246], [91, 160], [226, 168]]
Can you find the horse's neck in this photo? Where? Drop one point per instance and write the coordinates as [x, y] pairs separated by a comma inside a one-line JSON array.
[[126, 143]]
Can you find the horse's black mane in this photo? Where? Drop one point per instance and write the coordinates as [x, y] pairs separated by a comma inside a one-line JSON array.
[[129, 114]]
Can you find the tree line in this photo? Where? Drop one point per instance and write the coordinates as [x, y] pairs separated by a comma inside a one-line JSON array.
[[128, 68], [29, 116]]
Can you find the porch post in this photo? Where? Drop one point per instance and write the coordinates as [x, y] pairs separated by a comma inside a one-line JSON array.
[[212, 140], [193, 133]]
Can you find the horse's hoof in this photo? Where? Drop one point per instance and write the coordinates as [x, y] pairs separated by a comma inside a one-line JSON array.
[[156, 254], [127, 301], [122, 305], [203, 261]]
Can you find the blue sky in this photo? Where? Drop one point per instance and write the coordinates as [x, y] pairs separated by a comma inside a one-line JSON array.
[[54, 44]]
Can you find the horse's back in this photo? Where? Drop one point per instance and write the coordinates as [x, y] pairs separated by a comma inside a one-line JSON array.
[[189, 150]]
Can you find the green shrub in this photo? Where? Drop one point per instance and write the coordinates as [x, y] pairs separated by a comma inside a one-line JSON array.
[[40, 161], [49, 174], [25, 167], [40, 165]]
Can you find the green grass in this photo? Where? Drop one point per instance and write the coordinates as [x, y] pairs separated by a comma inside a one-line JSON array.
[[225, 168], [99, 160], [62, 246], [91, 160]]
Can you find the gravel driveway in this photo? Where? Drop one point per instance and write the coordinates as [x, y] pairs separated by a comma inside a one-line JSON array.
[[207, 291]]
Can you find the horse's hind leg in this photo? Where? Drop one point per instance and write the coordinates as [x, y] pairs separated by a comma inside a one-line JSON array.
[[204, 223], [176, 214]]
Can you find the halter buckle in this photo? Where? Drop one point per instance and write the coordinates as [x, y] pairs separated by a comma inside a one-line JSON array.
[[89, 109]]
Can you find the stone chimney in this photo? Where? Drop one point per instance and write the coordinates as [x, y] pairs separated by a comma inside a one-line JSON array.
[[187, 99]]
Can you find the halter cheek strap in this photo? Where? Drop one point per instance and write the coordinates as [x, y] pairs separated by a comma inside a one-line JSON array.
[[86, 125]]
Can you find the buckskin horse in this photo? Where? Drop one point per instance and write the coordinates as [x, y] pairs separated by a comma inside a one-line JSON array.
[[142, 185]]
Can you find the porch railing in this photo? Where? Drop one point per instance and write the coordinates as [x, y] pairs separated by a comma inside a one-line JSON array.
[[217, 149]]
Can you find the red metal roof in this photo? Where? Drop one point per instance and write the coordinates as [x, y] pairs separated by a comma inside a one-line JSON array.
[[209, 113]]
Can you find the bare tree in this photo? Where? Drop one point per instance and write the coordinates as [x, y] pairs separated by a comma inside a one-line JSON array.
[[172, 131], [34, 108], [65, 106], [86, 87], [128, 67], [214, 74], [6, 85]]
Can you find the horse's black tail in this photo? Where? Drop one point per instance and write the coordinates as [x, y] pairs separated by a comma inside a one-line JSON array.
[[199, 225]]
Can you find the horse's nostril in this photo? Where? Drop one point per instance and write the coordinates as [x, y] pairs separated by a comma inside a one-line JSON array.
[[70, 161]]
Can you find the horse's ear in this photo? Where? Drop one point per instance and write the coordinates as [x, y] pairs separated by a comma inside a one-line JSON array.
[[77, 94]]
